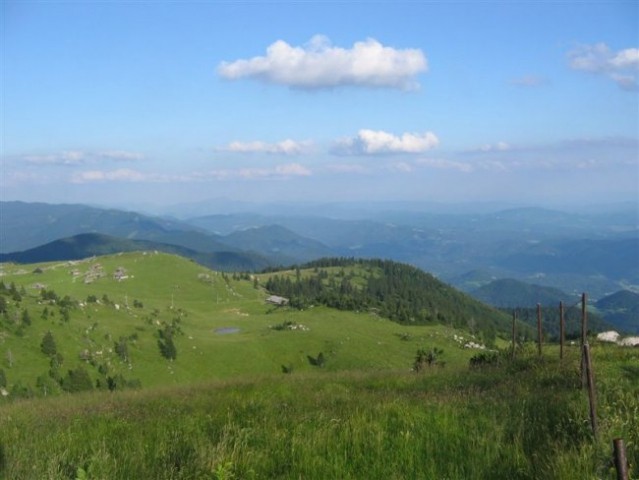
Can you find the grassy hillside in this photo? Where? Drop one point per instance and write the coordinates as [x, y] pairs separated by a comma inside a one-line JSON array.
[[396, 291], [119, 308], [519, 420], [224, 408]]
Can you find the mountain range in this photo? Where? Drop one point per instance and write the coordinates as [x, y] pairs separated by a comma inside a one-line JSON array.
[[595, 252]]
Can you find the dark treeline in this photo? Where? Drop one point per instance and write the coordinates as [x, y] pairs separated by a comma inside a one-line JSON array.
[[396, 291]]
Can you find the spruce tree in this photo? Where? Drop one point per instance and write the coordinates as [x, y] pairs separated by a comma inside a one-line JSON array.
[[48, 345]]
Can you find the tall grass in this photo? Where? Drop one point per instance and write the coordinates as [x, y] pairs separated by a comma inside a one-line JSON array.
[[523, 420]]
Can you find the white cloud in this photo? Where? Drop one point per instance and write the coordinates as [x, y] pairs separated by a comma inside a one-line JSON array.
[[292, 170], [494, 147], [347, 168], [66, 158], [621, 66], [119, 175], [135, 176], [319, 64], [445, 164], [72, 158], [285, 147], [286, 170], [120, 155], [373, 142]]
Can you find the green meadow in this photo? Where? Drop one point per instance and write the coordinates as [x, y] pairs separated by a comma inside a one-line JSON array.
[[246, 396], [224, 326]]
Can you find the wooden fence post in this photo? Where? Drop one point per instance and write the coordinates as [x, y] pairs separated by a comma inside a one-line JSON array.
[[591, 389], [562, 334], [514, 337], [539, 328], [584, 339], [621, 464]]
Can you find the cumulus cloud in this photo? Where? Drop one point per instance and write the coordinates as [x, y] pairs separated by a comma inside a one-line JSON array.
[[319, 64], [376, 142], [621, 66], [285, 147], [78, 157]]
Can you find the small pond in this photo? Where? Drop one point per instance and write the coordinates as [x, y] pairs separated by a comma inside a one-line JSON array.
[[226, 330]]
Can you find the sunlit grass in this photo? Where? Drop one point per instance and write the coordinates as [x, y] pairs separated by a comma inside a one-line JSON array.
[[528, 421]]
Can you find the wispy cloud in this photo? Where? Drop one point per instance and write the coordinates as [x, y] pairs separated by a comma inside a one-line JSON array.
[[445, 164], [500, 146], [72, 158], [285, 147], [125, 175], [621, 66], [378, 142], [281, 171], [347, 168], [319, 64], [122, 175], [529, 81]]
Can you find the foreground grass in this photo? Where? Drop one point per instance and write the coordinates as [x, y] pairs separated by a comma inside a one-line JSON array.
[[521, 420]]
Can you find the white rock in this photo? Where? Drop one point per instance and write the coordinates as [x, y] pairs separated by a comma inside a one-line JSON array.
[[629, 342], [610, 336]]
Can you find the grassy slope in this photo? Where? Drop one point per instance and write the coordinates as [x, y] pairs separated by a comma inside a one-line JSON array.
[[223, 410], [521, 420], [205, 301]]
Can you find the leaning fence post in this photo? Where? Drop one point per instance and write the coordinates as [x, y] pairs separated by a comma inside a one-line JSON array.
[[591, 389], [621, 464]]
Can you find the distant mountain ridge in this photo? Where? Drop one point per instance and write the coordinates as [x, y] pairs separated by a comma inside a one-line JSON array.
[[621, 309], [87, 245], [595, 252], [42, 232], [511, 293], [279, 244], [29, 225]]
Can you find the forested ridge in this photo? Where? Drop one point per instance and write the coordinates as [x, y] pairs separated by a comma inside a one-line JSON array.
[[399, 292]]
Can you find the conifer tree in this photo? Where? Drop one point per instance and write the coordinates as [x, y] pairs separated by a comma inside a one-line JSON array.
[[48, 345]]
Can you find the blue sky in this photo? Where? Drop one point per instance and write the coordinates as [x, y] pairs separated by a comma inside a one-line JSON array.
[[127, 103]]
